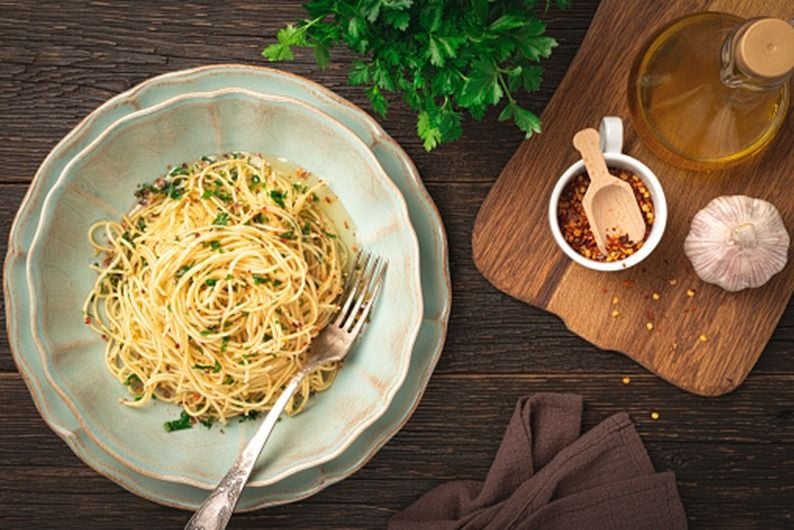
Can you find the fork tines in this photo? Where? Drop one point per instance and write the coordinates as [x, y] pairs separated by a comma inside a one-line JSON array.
[[361, 290]]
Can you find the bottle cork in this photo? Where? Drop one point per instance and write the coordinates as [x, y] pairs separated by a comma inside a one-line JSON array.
[[766, 49]]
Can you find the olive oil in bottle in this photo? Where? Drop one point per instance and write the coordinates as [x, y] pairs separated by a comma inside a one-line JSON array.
[[712, 89]]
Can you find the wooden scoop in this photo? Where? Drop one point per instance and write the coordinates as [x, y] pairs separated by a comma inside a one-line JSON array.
[[609, 202]]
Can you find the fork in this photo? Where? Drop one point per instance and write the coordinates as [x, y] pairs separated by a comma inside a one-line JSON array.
[[331, 345]]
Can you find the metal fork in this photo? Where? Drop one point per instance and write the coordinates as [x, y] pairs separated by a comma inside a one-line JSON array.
[[332, 344]]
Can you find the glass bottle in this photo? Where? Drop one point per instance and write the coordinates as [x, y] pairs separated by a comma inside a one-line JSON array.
[[711, 89]]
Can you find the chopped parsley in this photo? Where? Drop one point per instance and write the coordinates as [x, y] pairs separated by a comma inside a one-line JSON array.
[[287, 235], [218, 192], [329, 234], [228, 380], [174, 190], [141, 225], [206, 423], [222, 219], [178, 170], [182, 270], [260, 219], [259, 280], [276, 283], [229, 277], [278, 197], [209, 331], [307, 229], [177, 425], [210, 282], [297, 186], [224, 343], [214, 367], [251, 415], [128, 238]]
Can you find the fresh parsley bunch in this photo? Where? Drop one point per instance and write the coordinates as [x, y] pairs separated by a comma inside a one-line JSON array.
[[445, 57]]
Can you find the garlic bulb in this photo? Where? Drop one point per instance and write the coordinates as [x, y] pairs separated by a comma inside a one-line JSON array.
[[737, 242]]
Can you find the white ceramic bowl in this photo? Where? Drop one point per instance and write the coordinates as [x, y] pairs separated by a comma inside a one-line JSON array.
[[620, 161]]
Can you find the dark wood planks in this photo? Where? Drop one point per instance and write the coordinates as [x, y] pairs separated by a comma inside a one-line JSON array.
[[732, 456], [452, 436], [53, 77]]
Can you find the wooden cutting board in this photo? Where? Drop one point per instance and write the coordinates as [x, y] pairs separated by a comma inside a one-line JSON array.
[[513, 247]]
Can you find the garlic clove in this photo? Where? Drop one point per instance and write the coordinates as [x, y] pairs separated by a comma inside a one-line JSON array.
[[737, 242]]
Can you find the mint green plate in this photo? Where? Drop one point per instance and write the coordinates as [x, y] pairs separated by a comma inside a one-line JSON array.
[[99, 183], [435, 283]]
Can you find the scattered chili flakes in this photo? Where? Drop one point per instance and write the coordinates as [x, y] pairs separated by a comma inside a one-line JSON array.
[[576, 229], [604, 290], [87, 320], [628, 284], [690, 292], [615, 313], [626, 380], [655, 415], [649, 325], [655, 296]]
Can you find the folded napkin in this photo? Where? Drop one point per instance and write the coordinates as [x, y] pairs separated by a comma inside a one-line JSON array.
[[546, 476]]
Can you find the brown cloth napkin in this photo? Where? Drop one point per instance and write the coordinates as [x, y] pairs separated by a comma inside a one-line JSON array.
[[546, 476]]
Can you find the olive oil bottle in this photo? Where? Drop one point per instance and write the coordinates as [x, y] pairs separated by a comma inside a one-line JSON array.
[[712, 89]]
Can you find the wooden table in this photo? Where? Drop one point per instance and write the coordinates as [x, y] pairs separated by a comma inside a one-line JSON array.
[[733, 456]]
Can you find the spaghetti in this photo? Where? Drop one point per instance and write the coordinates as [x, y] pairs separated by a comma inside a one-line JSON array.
[[211, 289]]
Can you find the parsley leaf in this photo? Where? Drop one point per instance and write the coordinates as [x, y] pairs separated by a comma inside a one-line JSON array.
[[177, 425], [444, 61], [278, 197], [222, 219]]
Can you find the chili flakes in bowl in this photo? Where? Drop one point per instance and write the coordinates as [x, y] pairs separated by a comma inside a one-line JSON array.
[[576, 229]]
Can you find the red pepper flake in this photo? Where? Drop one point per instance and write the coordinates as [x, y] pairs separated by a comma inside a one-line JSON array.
[[628, 284], [576, 228], [104, 337], [87, 320], [604, 290], [649, 314]]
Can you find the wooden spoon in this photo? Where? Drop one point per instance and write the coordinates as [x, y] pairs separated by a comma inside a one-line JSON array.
[[609, 202]]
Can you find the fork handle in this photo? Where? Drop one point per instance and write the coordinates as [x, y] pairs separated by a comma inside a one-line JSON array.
[[215, 512]]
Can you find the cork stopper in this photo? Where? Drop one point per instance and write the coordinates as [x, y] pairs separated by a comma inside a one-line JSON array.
[[766, 49]]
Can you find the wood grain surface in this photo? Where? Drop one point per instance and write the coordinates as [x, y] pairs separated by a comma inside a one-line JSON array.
[[514, 248], [733, 456]]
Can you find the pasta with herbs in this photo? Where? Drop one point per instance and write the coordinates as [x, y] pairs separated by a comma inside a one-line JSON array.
[[211, 289]]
